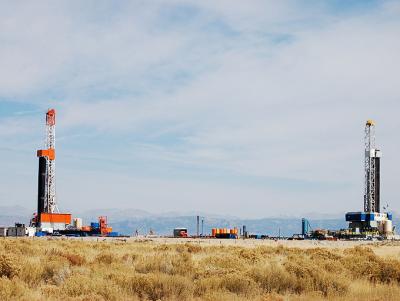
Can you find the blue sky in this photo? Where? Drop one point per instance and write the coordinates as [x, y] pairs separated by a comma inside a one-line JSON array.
[[253, 108]]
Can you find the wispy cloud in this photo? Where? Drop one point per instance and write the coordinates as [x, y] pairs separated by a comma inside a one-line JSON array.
[[261, 91]]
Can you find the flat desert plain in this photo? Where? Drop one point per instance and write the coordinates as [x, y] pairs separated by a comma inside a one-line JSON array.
[[197, 269]]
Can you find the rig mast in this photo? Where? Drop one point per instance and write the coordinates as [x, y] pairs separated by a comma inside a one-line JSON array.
[[371, 222], [372, 170], [47, 172]]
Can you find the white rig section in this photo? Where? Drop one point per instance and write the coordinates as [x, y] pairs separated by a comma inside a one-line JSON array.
[[50, 204]]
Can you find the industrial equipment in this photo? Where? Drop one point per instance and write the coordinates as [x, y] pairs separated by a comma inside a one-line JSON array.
[[305, 227], [245, 233], [180, 232], [371, 170], [47, 168], [224, 233], [48, 217], [370, 222], [20, 230], [48, 220], [99, 228]]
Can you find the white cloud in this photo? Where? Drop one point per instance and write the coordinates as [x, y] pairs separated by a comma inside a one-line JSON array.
[[257, 89]]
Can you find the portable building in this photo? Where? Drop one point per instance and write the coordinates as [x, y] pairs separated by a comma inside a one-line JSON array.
[[3, 231], [56, 221], [16, 231]]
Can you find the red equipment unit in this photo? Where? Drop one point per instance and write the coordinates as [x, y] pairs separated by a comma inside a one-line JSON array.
[[104, 229]]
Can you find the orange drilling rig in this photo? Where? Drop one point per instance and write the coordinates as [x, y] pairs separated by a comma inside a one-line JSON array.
[[48, 216]]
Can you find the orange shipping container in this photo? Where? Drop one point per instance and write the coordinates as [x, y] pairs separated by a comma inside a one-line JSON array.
[[55, 218], [86, 228]]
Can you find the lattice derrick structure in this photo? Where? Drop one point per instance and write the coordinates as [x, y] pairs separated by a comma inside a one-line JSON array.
[[50, 203], [370, 168], [51, 164]]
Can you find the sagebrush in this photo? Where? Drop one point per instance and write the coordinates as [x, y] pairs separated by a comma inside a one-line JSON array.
[[42, 269]]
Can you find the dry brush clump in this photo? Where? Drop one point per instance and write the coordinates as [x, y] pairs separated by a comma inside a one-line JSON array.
[[363, 261], [40, 269], [9, 266]]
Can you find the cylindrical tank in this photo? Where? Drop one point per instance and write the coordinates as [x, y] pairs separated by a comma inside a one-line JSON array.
[[77, 223], [388, 227], [41, 185], [304, 227], [213, 232]]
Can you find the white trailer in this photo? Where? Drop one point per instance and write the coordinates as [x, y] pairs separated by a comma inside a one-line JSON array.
[[3, 231]]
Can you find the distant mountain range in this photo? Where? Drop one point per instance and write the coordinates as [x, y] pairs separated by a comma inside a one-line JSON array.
[[269, 226], [127, 221], [9, 215]]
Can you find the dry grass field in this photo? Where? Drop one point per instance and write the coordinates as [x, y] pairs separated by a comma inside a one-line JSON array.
[[59, 269]]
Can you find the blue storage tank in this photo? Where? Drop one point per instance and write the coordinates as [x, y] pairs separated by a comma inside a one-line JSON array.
[[305, 227]]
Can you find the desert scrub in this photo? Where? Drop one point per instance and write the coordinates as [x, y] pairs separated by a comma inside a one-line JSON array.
[[273, 278], [105, 258], [9, 266], [176, 264], [310, 277], [156, 286], [42, 269], [363, 263], [55, 272], [10, 289], [74, 259]]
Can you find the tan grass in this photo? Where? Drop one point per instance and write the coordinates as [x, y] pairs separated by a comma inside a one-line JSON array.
[[61, 269]]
